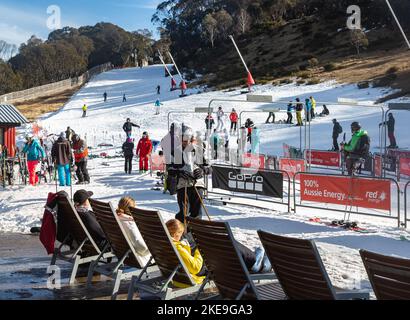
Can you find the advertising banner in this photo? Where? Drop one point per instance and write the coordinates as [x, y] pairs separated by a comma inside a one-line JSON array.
[[291, 166], [358, 192], [324, 158], [255, 161], [405, 166], [248, 181], [377, 166]]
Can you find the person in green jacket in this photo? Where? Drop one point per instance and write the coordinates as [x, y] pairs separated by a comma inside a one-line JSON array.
[[357, 149]]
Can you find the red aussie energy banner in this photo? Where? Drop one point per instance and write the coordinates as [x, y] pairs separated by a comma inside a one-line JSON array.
[[378, 166], [405, 166], [358, 192], [292, 166], [324, 158]]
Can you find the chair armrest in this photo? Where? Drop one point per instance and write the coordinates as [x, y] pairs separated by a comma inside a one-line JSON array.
[[263, 276]]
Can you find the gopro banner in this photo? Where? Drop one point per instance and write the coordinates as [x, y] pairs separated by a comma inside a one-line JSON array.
[[248, 181]]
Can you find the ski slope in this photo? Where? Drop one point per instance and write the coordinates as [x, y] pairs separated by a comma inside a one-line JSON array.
[[21, 207]]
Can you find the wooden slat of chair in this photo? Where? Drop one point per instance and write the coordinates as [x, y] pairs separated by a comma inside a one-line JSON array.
[[389, 276]]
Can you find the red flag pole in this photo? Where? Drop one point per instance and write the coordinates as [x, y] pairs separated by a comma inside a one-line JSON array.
[[183, 85], [173, 82], [250, 80]]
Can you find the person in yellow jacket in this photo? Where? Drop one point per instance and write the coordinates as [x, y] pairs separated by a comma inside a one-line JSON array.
[[85, 108], [313, 110], [195, 262]]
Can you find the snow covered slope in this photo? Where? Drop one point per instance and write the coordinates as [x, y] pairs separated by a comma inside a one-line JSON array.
[[21, 207]]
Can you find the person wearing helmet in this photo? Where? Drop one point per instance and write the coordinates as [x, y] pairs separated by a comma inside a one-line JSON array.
[[144, 151], [357, 149], [127, 127], [34, 154], [80, 149], [337, 130]]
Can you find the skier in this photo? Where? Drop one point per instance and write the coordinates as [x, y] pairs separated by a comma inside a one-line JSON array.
[[289, 111], [158, 89], [357, 149], [271, 115], [337, 130], [128, 149], [144, 151], [105, 96], [390, 129], [220, 115], [124, 98], [127, 127], [158, 105], [85, 108], [35, 153], [234, 121], [191, 176], [299, 109], [249, 125], [80, 149], [313, 110], [308, 111], [255, 141], [62, 158]]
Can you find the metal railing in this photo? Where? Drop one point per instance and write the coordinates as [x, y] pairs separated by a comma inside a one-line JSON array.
[[406, 218]]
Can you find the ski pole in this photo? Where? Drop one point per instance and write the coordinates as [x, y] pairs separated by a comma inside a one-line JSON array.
[[202, 203], [185, 209]]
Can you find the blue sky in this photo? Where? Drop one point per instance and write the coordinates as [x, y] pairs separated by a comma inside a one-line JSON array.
[[23, 18]]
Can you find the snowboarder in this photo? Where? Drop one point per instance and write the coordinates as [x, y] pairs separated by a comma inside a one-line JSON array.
[[249, 125], [128, 149], [220, 115], [35, 153], [234, 121], [124, 98], [158, 105], [357, 149], [105, 96], [255, 141], [62, 158], [337, 130], [144, 151], [325, 111], [80, 149], [158, 89], [299, 109], [127, 127], [85, 108], [271, 115], [313, 109], [390, 130], [289, 111]]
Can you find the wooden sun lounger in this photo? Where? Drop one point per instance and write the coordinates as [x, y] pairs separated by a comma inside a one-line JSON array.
[[300, 270], [226, 266], [128, 262]]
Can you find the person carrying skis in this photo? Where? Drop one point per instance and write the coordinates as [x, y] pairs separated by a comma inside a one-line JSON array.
[[128, 149], [220, 117], [249, 125], [390, 130], [234, 121], [191, 176], [85, 109], [158, 105], [105, 96], [35, 153], [313, 110], [144, 151], [289, 112], [299, 110], [337, 130], [80, 149], [357, 149], [62, 158], [127, 127]]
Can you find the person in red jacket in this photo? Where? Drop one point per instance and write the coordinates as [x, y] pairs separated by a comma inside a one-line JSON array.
[[234, 121], [144, 151]]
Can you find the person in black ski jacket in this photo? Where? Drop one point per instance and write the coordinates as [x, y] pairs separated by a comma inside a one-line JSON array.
[[128, 149], [337, 130], [390, 130], [127, 127]]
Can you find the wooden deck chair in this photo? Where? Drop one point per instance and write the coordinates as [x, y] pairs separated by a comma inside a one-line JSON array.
[[389, 276], [167, 258], [128, 262], [86, 251], [300, 270], [226, 265]]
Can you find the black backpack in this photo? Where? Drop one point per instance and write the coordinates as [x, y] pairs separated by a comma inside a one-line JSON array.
[[364, 146], [339, 129]]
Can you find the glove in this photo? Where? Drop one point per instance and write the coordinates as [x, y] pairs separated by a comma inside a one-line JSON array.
[[198, 173]]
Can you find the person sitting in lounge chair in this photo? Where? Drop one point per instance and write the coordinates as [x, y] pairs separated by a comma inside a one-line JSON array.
[[128, 223]]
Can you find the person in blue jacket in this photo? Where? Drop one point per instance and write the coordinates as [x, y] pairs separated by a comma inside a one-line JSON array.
[[289, 111], [308, 110], [35, 153], [255, 141]]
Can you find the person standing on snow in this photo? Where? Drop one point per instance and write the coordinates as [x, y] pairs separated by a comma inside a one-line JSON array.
[[127, 127], [249, 125], [158, 105], [255, 141], [290, 115], [220, 117], [390, 130], [271, 115], [313, 110], [35, 153], [144, 151], [158, 89], [234, 121], [337, 130], [85, 109], [215, 141], [69, 134], [124, 98], [62, 158], [80, 149], [308, 111], [299, 110], [105, 96], [209, 123], [128, 149]]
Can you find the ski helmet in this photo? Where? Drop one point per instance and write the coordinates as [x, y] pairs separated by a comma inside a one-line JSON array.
[[356, 126]]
